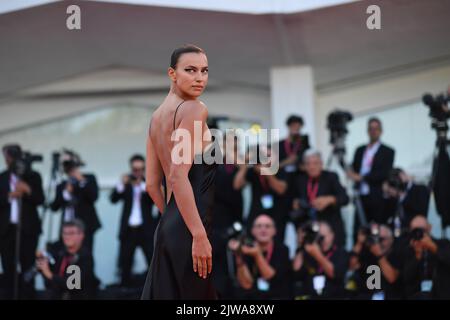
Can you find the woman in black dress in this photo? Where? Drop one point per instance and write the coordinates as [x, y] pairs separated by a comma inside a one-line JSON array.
[[182, 258]]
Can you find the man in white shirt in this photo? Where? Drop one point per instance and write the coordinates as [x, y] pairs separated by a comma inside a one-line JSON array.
[[370, 168], [20, 196], [137, 223]]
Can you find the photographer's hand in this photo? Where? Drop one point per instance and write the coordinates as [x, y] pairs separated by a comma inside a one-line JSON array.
[[376, 250], [77, 175], [313, 250], [354, 176], [253, 251], [233, 244], [418, 248], [43, 266], [23, 187], [69, 187], [322, 202], [428, 243], [125, 179]]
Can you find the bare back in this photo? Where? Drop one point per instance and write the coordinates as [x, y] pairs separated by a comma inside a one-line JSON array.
[[166, 118]]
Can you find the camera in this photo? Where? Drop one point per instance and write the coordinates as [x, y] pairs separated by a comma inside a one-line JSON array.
[[416, 234], [437, 111], [29, 275], [395, 181], [237, 231], [372, 234], [337, 124], [302, 214], [311, 233], [70, 160], [21, 160], [132, 178]]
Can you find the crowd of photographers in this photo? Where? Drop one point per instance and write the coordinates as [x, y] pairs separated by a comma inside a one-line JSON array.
[[393, 255]]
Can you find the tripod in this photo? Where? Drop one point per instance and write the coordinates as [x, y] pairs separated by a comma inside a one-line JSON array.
[[338, 155], [17, 266], [441, 167], [55, 177]]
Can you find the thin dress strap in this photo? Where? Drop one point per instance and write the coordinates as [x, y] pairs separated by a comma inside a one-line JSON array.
[[164, 179], [175, 115]]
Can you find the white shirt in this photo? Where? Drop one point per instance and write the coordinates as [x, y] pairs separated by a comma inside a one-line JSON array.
[[366, 166], [69, 212], [135, 218], [14, 216]]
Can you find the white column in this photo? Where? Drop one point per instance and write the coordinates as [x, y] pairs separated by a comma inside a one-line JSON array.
[[292, 92]]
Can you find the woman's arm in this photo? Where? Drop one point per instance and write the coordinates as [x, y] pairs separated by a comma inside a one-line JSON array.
[[193, 120]]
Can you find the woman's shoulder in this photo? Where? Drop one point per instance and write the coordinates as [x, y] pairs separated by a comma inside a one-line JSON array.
[[195, 109]]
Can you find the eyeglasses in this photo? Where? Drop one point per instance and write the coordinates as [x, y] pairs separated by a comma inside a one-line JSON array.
[[71, 233], [263, 225], [136, 169]]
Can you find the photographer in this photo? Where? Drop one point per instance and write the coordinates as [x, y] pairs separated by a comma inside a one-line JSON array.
[[263, 266], [21, 194], [370, 168], [76, 197], [294, 146], [268, 193], [319, 264], [426, 268], [405, 200], [137, 226], [375, 246], [72, 253], [320, 196]]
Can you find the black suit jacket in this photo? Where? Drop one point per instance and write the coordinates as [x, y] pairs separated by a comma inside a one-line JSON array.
[[329, 185], [416, 202], [31, 223], [303, 147], [148, 222], [85, 197], [381, 166]]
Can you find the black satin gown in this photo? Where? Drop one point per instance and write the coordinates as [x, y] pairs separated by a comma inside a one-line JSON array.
[[171, 275]]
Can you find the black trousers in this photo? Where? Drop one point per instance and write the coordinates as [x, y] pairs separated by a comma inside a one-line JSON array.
[[134, 237], [28, 246], [373, 205]]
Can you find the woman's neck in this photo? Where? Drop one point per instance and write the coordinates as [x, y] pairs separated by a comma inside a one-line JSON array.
[[174, 90]]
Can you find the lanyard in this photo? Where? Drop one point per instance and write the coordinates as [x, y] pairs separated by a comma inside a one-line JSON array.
[[287, 147], [369, 160], [312, 189], [229, 168], [65, 262], [264, 183]]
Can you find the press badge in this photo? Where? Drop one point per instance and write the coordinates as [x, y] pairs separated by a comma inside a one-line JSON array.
[[319, 283], [426, 285], [267, 201], [262, 285], [290, 168], [378, 295]]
